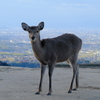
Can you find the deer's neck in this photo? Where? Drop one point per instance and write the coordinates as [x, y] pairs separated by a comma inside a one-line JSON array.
[[37, 48]]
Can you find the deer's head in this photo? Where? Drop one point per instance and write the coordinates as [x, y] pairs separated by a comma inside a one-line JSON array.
[[33, 30]]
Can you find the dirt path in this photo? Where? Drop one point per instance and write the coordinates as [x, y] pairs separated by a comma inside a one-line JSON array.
[[22, 83]]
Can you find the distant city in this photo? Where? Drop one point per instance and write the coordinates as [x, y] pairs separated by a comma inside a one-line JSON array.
[[15, 46]]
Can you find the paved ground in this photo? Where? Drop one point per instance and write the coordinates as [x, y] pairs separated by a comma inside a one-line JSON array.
[[22, 83]]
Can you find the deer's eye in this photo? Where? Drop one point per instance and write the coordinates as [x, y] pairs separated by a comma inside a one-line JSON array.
[[37, 31], [29, 31]]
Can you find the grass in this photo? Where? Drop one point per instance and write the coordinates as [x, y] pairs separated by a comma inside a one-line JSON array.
[[80, 65], [7, 53]]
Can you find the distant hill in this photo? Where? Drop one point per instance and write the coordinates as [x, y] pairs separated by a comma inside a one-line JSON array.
[[3, 64]]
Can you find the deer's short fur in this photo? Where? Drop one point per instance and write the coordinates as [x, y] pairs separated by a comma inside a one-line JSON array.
[[50, 51]]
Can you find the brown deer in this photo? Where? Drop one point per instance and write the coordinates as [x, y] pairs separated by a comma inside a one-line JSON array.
[[52, 50]]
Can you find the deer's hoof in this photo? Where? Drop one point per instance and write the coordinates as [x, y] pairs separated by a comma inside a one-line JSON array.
[[37, 93], [49, 94], [74, 89], [69, 91]]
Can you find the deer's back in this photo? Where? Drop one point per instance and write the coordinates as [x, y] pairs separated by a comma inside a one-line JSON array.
[[63, 41]]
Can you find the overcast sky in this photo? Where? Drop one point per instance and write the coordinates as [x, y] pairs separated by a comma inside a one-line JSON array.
[[55, 13]]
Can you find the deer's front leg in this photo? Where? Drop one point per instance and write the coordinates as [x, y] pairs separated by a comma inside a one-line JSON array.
[[50, 72], [43, 67]]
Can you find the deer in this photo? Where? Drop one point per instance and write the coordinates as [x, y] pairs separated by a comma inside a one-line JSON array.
[[50, 51]]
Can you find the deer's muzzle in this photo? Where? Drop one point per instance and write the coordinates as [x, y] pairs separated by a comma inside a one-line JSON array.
[[33, 37]]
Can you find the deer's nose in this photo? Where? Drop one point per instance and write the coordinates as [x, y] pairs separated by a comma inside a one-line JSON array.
[[33, 37]]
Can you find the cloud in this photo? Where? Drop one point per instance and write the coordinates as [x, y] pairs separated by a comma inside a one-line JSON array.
[[75, 5], [24, 0]]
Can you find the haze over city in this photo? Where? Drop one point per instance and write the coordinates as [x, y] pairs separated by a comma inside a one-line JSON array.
[[80, 17]]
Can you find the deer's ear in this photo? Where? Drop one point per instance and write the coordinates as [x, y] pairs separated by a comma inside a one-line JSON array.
[[41, 25], [25, 26]]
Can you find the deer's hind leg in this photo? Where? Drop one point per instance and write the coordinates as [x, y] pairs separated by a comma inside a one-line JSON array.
[[77, 78], [73, 62]]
